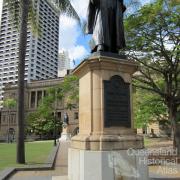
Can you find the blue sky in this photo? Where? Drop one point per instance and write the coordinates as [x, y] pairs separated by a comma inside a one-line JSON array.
[[71, 38]]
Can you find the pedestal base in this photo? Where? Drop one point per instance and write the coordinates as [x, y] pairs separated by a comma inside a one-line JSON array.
[[106, 142], [65, 137], [99, 151], [106, 165]]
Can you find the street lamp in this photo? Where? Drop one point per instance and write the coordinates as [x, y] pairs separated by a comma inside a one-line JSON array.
[[55, 136], [55, 116]]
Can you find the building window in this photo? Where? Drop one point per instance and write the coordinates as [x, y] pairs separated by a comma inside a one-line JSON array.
[[14, 119], [76, 115], [59, 116], [11, 120], [4, 119], [45, 93], [39, 97], [33, 99]]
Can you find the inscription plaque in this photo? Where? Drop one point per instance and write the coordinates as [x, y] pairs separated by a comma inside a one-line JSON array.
[[117, 103]]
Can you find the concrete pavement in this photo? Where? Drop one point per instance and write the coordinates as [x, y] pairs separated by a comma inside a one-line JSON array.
[[59, 173], [169, 172], [61, 170]]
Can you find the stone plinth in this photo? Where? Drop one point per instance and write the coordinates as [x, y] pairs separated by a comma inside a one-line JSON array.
[[93, 135], [106, 165], [100, 133]]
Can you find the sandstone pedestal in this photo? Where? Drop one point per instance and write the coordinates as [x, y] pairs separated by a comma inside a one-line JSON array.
[[99, 151], [106, 165]]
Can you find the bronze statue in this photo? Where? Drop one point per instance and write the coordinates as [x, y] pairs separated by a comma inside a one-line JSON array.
[[105, 22]]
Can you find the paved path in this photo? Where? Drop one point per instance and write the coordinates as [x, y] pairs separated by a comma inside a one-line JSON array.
[[170, 172], [59, 173]]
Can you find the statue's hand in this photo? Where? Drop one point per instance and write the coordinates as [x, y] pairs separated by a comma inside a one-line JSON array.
[[124, 8]]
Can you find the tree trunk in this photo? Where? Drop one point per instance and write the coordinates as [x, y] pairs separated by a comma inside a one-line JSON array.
[[175, 127], [176, 138], [24, 7], [8, 124]]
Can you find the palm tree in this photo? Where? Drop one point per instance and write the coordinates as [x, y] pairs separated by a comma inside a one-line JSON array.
[[21, 10]]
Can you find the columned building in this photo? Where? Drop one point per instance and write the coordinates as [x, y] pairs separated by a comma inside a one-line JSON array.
[[41, 60], [34, 92]]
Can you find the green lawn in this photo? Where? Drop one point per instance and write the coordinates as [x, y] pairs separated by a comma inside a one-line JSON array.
[[147, 141], [36, 153]]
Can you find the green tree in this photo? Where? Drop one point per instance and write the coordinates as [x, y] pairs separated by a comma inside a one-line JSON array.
[[148, 108], [9, 103], [21, 10], [44, 120], [153, 41]]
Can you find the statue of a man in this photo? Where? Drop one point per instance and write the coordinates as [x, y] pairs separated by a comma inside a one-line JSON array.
[[105, 22], [66, 119]]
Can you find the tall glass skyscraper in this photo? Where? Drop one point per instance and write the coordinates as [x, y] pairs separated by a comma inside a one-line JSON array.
[[42, 51]]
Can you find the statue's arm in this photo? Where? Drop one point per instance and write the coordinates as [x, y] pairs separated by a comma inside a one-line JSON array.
[[90, 17], [122, 6]]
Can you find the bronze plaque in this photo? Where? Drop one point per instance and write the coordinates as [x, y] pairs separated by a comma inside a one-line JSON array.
[[117, 103]]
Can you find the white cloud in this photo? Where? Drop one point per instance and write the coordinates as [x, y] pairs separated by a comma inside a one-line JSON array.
[[146, 1], [70, 32], [80, 7], [78, 52]]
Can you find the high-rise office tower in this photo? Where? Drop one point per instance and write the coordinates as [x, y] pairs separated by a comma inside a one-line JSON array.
[[0, 9], [63, 64], [42, 51]]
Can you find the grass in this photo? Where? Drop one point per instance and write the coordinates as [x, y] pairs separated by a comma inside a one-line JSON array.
[[157, 142], [35, 152], [147, 141]]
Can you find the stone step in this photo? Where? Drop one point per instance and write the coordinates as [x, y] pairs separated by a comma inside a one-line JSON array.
[[59, 178]]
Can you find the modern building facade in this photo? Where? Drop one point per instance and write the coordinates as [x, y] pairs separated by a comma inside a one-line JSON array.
[[0, 10], [41, 60], [34, 92], [63, 64]]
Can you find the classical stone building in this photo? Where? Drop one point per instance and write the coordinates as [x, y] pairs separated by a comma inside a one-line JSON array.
[[34, 92], [156, 129]]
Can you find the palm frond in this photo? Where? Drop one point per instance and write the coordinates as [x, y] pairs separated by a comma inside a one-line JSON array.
[[14, 11], [34, 19], [66, 8]]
